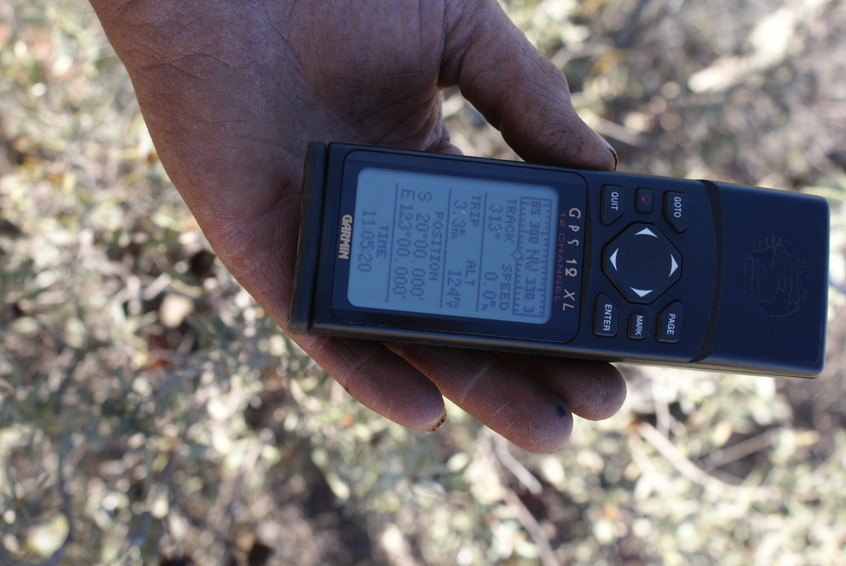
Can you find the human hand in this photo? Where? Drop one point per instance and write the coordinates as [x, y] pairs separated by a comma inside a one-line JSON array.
[[232, 92]]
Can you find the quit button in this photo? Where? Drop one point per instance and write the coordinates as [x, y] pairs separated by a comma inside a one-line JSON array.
[[613, 200]]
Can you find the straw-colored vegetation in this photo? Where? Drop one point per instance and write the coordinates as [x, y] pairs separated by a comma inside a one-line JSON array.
[[151, 414]]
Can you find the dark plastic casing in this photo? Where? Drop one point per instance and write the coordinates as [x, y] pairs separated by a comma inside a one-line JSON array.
[[747, 293]]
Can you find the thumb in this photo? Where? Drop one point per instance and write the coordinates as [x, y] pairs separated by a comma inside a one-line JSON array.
[[519, 91]]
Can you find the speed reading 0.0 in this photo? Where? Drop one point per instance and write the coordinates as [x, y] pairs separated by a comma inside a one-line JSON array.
[[429, 243], [460, 251]]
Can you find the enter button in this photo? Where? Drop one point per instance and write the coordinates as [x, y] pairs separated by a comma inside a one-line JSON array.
[[670, 323], [606, 317]]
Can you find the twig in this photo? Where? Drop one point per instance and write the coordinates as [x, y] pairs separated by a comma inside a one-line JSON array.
[[67, 511], [530, 524], [532, 527], [698, 476], [739, 450], [513, 465]]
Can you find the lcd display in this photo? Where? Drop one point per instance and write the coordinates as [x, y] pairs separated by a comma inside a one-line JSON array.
[[448, 245]]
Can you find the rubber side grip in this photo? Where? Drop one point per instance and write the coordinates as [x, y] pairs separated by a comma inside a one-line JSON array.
[[308, 247]]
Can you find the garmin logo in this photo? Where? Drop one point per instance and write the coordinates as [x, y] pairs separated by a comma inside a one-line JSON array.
[[776, 277], [345, 237]]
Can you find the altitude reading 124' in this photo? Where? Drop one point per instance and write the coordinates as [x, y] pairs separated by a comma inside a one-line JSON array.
[[455, 246], [448, 250]]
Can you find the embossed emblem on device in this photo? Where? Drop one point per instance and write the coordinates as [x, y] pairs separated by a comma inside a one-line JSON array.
[[776, 277]]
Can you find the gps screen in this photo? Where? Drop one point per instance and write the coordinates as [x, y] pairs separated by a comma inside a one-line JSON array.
[[456, 246]]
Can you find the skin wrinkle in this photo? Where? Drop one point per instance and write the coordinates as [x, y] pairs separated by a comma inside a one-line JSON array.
[[426, 123], [352, 361], [170, 30], [529, 132], [257, 267], [470, 381], [279, 208], [263, 71], [402, 403], [358, 365], [494, 116], [205, 116], [488, 79], [590, 390], [455, 48], [424, 126], [138, 13], [431, 131], [235, 132], [541, 429], [360, 122], [505, 404], [281, 34]]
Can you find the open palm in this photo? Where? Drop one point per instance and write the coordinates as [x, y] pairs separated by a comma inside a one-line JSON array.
[[233, 90]]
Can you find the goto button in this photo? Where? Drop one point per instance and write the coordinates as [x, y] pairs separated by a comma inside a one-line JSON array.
[[676, 210], [670, 323]]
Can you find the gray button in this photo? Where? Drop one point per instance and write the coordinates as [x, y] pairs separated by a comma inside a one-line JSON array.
[[613, 199], [637, 326], [676, 211], [606, 317], [670, 323]]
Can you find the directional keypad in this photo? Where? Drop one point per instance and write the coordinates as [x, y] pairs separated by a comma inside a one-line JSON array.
[[642, 263]]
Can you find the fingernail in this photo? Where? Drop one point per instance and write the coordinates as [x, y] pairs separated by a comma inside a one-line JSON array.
[[433, 429], [611, 151]]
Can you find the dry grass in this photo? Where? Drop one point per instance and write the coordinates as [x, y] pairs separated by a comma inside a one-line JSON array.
[[152, 415]]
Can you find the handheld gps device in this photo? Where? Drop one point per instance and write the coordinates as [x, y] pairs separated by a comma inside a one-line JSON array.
[[460, 251]]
